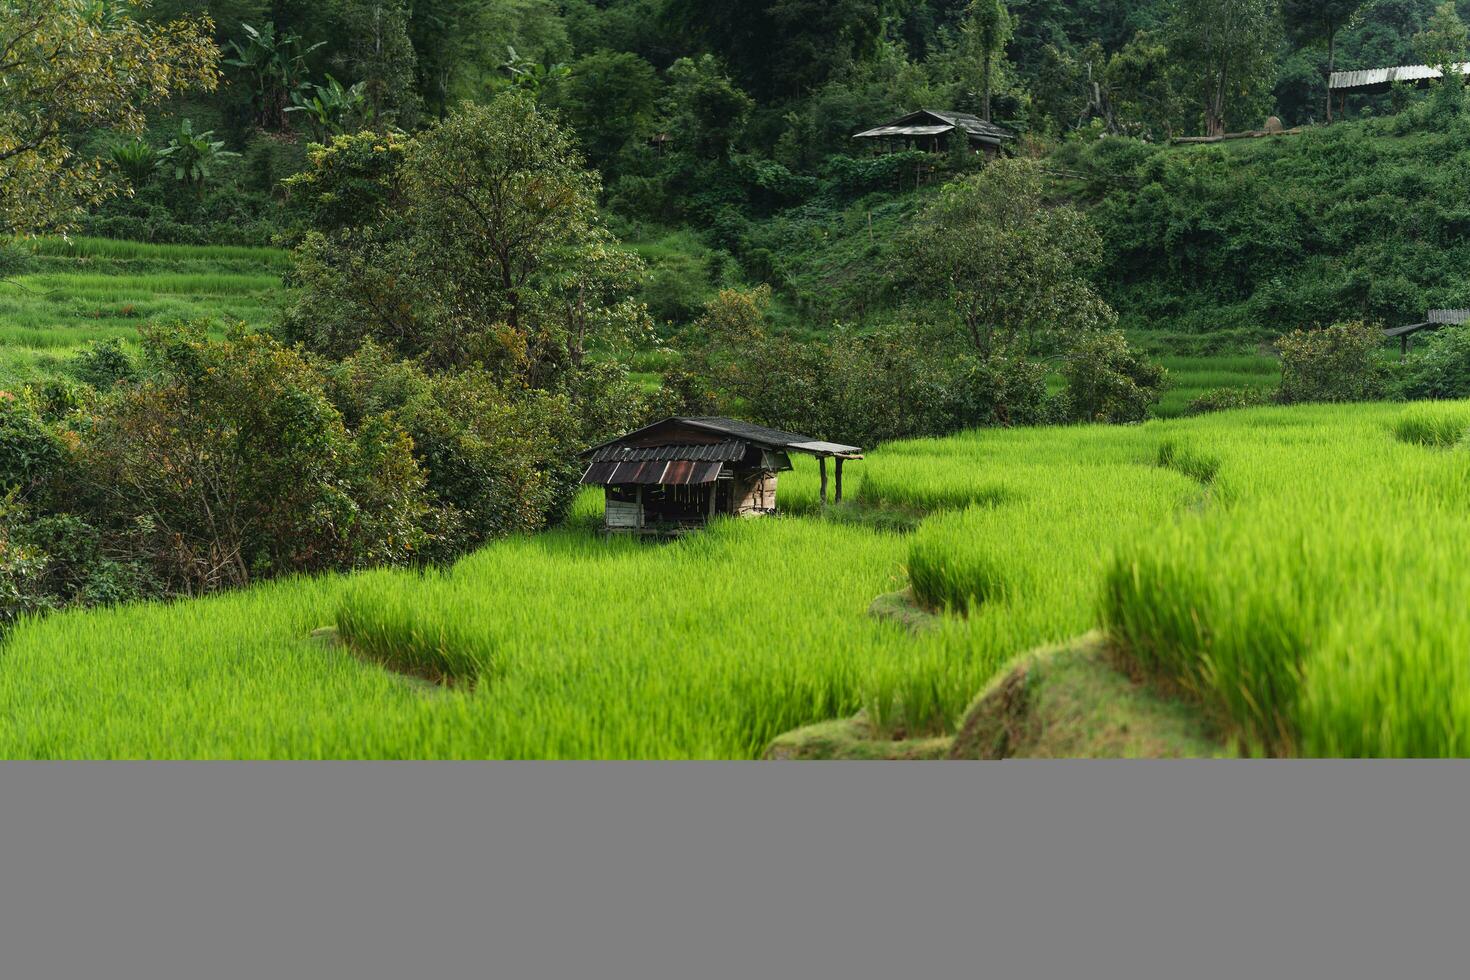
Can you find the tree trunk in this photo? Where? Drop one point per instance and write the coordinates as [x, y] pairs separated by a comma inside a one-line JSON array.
[[1215, 108], [1331, 63], [987, 85]]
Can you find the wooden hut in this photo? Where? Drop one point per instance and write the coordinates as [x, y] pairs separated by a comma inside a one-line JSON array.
[[675, 475], [930, 129]]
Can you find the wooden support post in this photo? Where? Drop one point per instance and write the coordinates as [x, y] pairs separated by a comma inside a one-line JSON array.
[[822, 465], [638, 498], [712, 491], [837, 497]]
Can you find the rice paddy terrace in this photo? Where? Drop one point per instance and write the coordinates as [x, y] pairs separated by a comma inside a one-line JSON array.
[[69, 292], [1294, 576]]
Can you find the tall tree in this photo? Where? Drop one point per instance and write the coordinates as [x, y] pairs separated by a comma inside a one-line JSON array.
[[610, 99], [1319, 21], [1013, 268], [72, 65], [1229, 46], [376, 52], [989, 28], [477, 241], [1444, 40]]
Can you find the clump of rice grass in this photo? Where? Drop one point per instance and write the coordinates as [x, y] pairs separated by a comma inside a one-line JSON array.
[[1437, 425]]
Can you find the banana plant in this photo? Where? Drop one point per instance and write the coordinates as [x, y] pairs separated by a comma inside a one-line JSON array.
[[192, 155], [330, 108], [531, 76], [137, 161], [275, 64]]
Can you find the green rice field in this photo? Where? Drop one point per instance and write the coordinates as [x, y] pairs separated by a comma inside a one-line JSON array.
[[1190, 377], [1296, 573], [70, 292]]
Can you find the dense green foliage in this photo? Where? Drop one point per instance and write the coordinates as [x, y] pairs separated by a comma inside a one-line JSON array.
[[1233, 245], [737, 122]]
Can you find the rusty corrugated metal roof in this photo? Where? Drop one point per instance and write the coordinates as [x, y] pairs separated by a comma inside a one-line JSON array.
[[678, 472], [729, 451]]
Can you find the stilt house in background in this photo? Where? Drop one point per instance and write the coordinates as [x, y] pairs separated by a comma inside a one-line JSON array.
[[928, 129], [675, 475]]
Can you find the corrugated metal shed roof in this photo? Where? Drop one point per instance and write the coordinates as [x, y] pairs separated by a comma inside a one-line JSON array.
[[728, 452], [1433, 320], [906, 131], [1369, 79], [933, 122], [679, 472], [734, 429]]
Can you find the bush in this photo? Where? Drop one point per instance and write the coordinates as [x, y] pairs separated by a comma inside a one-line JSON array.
[[997, 390], [103, 364], [74, 568], [56, 398], [1441, 368], [494, 463], [1107, 381], [1226, 398], [1335, 364], [676, 291], [862, 389], [30, 452], [230, 464], [21, 567]]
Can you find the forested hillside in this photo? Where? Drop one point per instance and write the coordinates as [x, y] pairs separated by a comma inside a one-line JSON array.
[[723, 136]]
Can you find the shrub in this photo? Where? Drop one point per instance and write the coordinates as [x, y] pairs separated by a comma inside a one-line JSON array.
[[1440, 369], [56, 398], [72, 566], [102, 364], [229, 464], [30, 452], [494, 462], [13, 260], [997, 390], [135, 160], [676, 291], [1226, 398], [1107, 381], [21, 567], [1334, 364]]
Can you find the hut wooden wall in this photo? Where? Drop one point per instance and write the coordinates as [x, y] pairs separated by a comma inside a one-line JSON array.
[[755, 493]]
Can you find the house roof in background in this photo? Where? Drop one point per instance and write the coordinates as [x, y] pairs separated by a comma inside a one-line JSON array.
[[934, 122], [1379, 79]]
